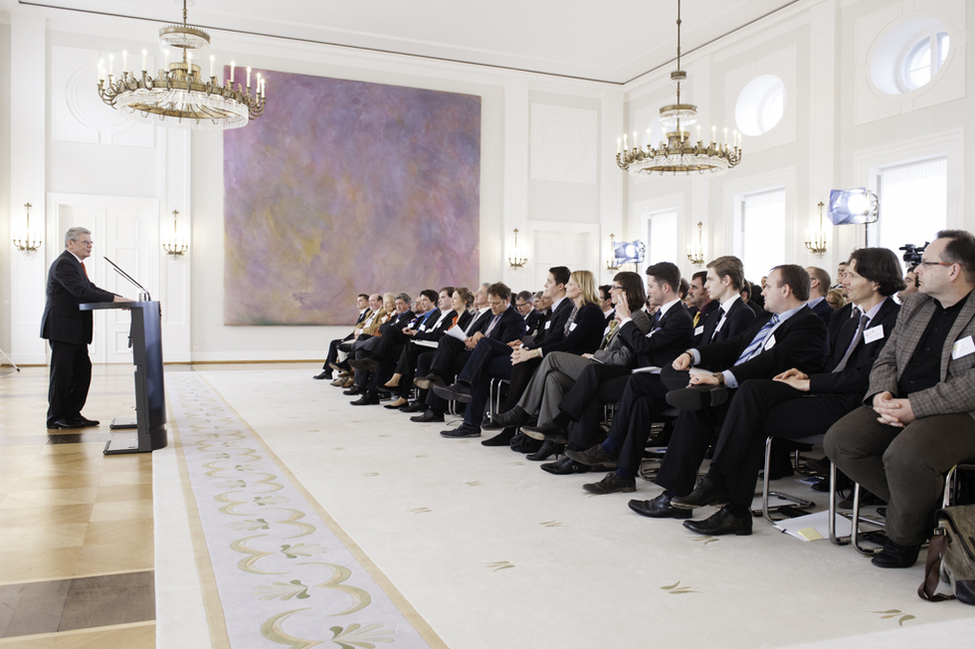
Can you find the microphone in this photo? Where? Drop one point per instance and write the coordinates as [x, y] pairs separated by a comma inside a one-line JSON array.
[[126, 276]]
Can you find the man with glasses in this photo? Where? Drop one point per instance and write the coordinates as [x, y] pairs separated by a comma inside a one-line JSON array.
[[525, 304], [917, 421], [69, 330]]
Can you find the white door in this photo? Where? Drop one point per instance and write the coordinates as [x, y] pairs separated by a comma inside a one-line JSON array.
[[124, 230], [560, 248]]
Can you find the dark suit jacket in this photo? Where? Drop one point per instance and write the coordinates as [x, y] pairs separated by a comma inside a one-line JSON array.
[[67, 287], [740, 317], [823, 310], [434, 331], [533, 320], [668, 337], [800, 342], [838, 319], [585, 336], [554, 326], [465, 318], [423, 322], [956, 391], [398, 321], [510, 327], [855, 377]]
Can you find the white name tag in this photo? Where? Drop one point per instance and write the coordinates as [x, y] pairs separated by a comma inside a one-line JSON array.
[[962, 347], [606, 331], [699, 330], [873, 334], [572, 326], [423, 327], [770, 343], [548, 324]]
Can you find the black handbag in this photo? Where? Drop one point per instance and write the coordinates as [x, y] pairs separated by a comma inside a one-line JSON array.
[[951, 556]]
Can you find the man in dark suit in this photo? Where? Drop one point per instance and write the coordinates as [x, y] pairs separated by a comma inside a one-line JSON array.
[[525, 303], [69, 330], [366, 382], [700, 303], [791, 336], [918, 417], [796, 404], [819, 286], [730, 316], [361, 303]]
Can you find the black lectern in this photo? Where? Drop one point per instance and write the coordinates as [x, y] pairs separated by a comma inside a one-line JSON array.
[[145, 339]]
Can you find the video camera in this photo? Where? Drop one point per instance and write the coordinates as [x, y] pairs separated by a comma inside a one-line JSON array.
[[912, 253]]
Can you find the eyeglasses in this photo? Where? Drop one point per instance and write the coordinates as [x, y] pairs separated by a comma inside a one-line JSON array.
[[927, 264], [84, 243], [614, 287]]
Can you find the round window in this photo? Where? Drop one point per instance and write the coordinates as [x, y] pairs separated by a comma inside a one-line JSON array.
[[909, 56], [761, 105]]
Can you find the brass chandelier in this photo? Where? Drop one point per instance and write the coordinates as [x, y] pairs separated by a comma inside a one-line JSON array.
[[179, 95], [679, 154]]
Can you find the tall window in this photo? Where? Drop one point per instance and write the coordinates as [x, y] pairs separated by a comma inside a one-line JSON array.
[[762, 232], [662, 237], [913, 204]]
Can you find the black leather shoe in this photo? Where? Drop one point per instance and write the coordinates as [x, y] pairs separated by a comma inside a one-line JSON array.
[[453, 392], [895, 555], [565, 466], [659, 507], [414, 406], [612, 483], [428, 381], [501, 439], [548, 432], [697, 397], [369, 363], [354, 390], [80, 419], [427, 417], [337, 367], [548, 449], [323, 375], [64, 423], [722, 522], [521, 443], [593, 456], [367, 399], [706, 493], [465, 430], [512, 419]]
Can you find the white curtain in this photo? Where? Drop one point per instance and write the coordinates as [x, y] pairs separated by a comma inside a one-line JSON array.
[[913, 204], [763, 233]]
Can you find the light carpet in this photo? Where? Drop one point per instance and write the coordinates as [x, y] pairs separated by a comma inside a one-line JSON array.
[[487, 549]]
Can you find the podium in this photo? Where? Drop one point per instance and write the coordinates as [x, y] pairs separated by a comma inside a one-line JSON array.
[[145, 339]]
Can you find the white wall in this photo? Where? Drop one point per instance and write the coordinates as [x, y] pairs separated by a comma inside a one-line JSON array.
[[547, 145]]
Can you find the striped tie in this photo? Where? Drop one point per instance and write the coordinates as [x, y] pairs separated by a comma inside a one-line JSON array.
[[857, 337], [755, 346]]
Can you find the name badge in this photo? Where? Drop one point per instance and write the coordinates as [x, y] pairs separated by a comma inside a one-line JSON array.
[[874, 333], [770, 343], [962, 347], [572, 326], [606, 331], [548, 324], [699, 330], [423, 327]]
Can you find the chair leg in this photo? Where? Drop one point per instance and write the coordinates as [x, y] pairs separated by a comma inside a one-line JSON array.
[[833, 513]]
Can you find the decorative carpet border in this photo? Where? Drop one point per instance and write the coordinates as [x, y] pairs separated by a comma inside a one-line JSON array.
[[285, 573]]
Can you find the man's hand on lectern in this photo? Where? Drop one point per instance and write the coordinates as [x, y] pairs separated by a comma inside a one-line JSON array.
[[119, 298]]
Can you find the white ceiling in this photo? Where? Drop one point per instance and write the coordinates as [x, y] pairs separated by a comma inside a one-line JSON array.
[[607, 40]]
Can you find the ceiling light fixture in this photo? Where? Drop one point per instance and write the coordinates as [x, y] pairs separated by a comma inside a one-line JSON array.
[[179, 96], [678, 155]]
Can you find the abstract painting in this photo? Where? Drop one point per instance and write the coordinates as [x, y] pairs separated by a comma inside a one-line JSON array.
[[345, 187]]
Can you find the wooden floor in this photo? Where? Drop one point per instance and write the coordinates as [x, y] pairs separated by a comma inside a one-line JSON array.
[[76, 530]]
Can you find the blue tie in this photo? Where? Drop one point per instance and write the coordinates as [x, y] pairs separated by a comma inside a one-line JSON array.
[[755, 346]]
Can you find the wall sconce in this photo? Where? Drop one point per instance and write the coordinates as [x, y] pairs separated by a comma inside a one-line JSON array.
[[175, 245], [816, 240], [27, 244], [515, 260], [695, 253], [613, 264]]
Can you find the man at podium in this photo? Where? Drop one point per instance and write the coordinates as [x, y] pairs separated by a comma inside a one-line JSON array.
[[69, 330]]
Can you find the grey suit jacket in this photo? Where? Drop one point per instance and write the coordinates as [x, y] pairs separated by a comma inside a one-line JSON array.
[[617, 352], [956, 391]]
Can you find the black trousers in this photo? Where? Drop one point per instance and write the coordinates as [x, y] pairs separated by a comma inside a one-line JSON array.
[[70, 380], [333, 352], [641, 404], [688, 445], [761, 408]]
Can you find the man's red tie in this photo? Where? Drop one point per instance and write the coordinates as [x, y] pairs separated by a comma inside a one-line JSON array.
[[84, 269]]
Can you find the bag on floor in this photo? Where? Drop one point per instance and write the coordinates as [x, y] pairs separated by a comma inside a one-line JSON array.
[[951, 556]]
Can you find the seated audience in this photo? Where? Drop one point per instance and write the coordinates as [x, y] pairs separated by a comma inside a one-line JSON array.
[[699, 302], [819, 286], [525, 303], [791, 336], [835, 299], [795, 404], [910, 281], [361, 303], [917, 421]]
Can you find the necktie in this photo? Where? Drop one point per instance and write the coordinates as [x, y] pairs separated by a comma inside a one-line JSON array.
[[697, 318], [572, 318], [857, 337], [717, 327], [609, 335], [491, 327], [84, 269], [755, 346]]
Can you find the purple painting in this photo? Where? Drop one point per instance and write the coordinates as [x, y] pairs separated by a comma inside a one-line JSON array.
[[345, 187]]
